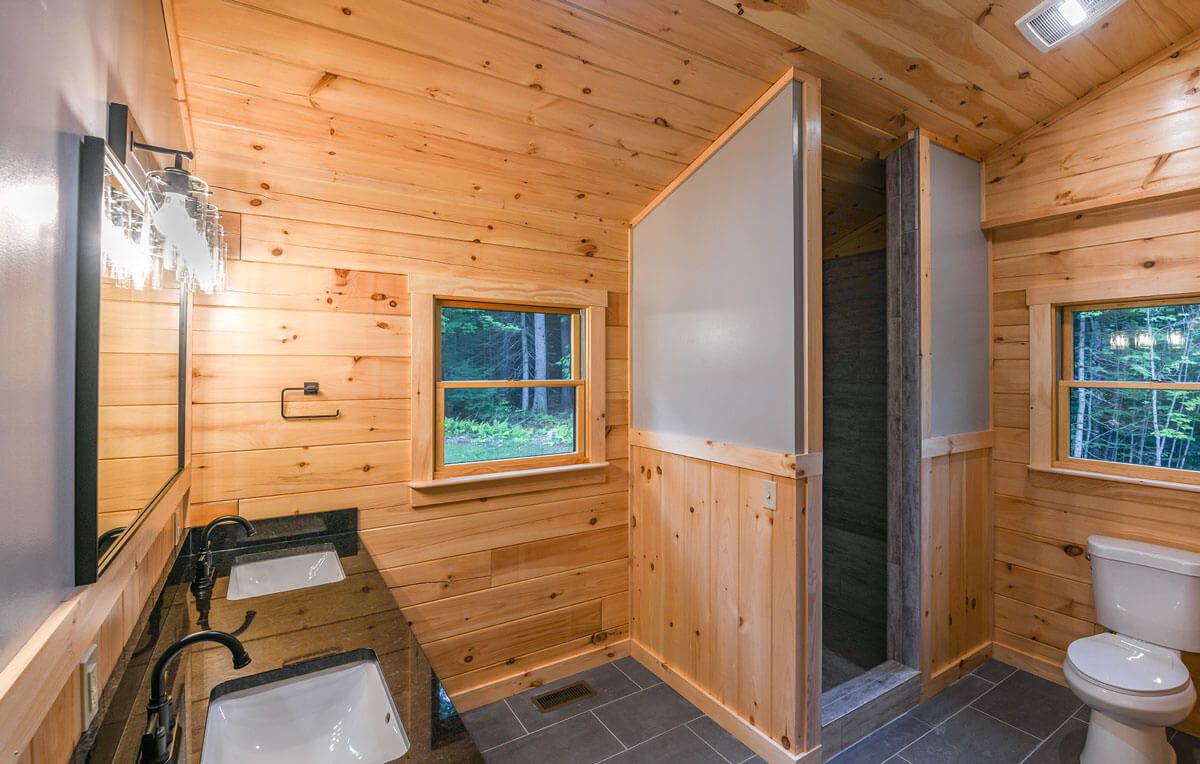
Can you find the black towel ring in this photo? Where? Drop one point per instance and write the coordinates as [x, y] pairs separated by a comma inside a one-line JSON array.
[[310, 388]]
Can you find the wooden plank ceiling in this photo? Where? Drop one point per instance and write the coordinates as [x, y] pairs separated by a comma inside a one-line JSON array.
[[524, 109]]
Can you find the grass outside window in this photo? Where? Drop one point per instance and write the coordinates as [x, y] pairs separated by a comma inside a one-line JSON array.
[[510, 388]]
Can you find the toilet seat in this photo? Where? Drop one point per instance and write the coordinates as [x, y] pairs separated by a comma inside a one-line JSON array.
[[1129, 666]]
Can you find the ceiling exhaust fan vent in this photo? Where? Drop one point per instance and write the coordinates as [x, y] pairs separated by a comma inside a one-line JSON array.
[[1056, 21]]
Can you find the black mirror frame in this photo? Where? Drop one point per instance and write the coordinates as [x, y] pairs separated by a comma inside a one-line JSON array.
[[88, 562]]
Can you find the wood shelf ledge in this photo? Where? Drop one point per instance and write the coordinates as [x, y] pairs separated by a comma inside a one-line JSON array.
[[1089, 475], [466, 487]]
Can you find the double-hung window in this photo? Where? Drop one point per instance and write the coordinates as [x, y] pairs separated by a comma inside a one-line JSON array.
[[1128, 389], [510, 389]]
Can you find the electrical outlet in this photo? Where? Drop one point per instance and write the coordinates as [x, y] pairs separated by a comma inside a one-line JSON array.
[[768, 494], [89, 680]]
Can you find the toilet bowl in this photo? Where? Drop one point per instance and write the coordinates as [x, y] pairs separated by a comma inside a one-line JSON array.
[[1134, 680], [1135, 690]]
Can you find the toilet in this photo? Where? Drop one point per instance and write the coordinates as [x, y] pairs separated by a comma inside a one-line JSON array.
[[1134, 680]]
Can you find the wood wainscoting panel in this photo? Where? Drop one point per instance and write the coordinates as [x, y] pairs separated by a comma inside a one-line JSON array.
[[956, 582], [717, 603], [1041, 576]]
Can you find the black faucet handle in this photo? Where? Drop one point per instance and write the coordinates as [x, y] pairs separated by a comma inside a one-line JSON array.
[[206, 538]]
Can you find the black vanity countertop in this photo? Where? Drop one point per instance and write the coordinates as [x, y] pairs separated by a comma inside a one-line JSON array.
[[278, 631]]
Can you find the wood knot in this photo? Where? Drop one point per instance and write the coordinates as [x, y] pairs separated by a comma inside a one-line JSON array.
[[1073, 550]]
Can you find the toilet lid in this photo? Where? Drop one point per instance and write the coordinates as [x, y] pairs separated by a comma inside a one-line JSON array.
[[1127, 664]]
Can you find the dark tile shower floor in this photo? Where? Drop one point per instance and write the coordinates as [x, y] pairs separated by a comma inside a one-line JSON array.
[[996, 715]]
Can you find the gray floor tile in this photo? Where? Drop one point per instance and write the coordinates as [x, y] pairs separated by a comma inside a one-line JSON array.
[[994, 671], [881, 744], [1063, 747], [971, 736], [641, 716], [1030, 703], [727, 745], [1187, 748], [492, 725], [641, 675], [946, 703], [1084, 714], [678, 745], [608, 682], [579, 740]]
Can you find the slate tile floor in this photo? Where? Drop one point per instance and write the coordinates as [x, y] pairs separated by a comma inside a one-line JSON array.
[[633, 719], [996, 715]]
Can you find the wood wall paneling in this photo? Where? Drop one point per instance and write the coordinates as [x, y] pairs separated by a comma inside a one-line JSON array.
[[714, 584], [39, 689], [1138, 140], [1042, 580], [504, 590]]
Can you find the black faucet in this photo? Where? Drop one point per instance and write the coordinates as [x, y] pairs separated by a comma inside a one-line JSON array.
[[158, 739], [203, 582]]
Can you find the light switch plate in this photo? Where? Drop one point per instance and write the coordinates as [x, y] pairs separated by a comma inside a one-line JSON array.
[[768, 494], [89, 685]]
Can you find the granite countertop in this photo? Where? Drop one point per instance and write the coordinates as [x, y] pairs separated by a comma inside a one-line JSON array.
[[285, 629]]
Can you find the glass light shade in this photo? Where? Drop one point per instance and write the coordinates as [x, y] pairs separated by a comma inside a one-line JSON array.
[[1119, 340], [1143, 340], [183, 222], [1176, 339], [123, 258]]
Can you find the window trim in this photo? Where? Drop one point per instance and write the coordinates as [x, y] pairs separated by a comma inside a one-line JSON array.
[[578, 381], [1050, 367], [425, 293]]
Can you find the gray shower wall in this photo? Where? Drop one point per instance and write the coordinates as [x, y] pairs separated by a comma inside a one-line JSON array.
[[855, 457]]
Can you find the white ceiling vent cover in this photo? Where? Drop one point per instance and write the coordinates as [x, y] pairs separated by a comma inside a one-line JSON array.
[[1053, 22]]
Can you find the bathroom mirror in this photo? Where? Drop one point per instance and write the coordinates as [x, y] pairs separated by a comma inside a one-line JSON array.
[[130, 355]]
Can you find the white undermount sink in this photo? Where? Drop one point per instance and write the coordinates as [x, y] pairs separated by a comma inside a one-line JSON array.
[[333, 715], [259, 574]]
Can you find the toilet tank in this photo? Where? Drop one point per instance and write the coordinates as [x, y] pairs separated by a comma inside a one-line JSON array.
[[1147, 591]]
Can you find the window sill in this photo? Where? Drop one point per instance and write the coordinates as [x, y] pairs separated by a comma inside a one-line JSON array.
[[429, 492], [1149, 482]]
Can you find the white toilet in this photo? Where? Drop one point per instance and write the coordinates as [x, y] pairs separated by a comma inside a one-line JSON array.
[[1134, 680]]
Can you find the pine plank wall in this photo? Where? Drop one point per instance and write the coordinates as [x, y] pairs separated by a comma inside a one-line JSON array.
[[1122, 163], [496, 589], [1042, 577]]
